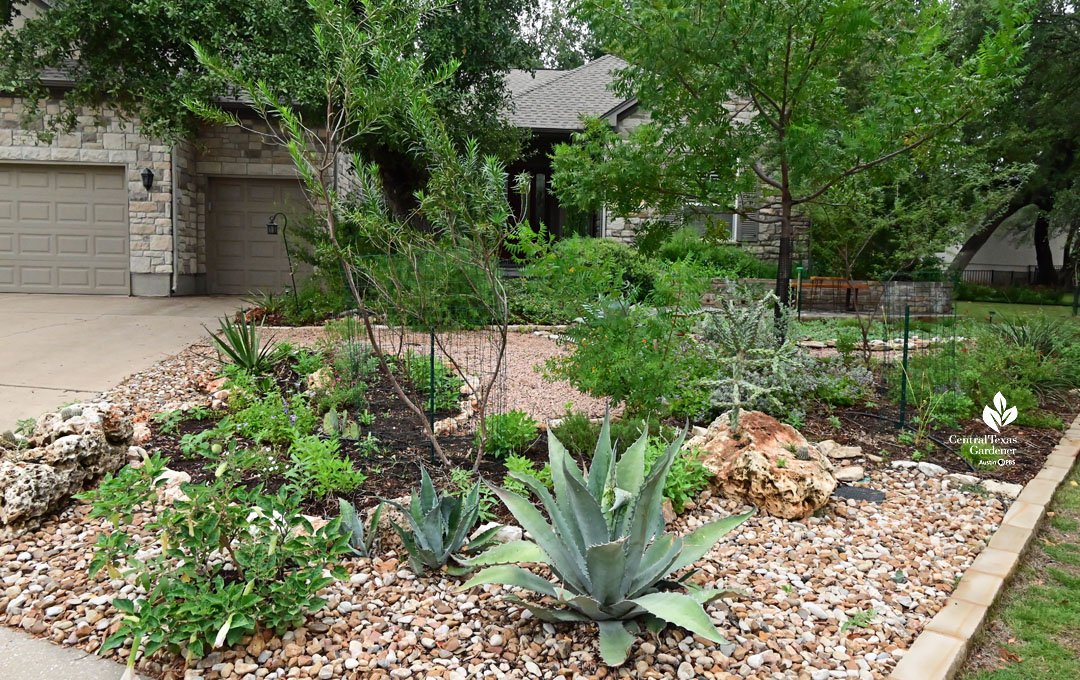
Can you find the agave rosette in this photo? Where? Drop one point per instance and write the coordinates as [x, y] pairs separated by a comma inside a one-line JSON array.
[[606, 546]]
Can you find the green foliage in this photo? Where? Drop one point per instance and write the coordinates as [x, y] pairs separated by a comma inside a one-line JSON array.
[[274, 420], [719, 258], [507, 433], [605, 546], [743, 336], [461, 484], [637, 353], [361, 541], [447, 382], [818, 112], [307, 361], [233, 560], [242, 343], [438, 524], [321, 467], [1028, 295], [523, 466], [686, 477]]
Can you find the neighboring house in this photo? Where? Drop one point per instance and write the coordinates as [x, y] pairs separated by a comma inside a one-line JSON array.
[[551, 104]]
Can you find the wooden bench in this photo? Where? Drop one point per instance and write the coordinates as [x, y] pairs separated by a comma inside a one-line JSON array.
[[837, 283]]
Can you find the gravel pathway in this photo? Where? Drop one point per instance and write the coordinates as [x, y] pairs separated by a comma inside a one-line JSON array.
[[898, 560], [182, 379]]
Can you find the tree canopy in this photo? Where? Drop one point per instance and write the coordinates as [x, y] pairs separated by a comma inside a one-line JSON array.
[[792, 99], [137, 58]]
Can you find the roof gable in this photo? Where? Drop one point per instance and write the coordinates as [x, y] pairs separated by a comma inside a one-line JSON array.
[[556, 100]]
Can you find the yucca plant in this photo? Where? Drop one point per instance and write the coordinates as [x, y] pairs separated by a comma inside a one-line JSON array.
[[242, 343], [439, 525], [606, 547], [361, 541]]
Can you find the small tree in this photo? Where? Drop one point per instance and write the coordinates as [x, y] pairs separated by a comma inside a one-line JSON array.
[[786, 99], [373, 80]]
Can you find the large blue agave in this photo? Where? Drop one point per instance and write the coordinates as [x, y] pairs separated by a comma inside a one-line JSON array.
[[607, 547]]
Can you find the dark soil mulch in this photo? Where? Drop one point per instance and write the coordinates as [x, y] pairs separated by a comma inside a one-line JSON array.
[[875, 430], [392, 471]]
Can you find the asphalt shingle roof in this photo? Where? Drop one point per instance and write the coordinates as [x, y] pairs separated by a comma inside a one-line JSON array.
[[556, 100]]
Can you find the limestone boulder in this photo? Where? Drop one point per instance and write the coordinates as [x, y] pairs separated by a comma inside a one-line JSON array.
[[66, 451], [766, 463]]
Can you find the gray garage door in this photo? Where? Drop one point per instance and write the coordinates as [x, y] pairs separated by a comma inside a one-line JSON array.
[[63, 229], [240, 256]]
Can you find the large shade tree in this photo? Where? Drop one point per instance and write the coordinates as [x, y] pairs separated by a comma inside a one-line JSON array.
[[788, 99], [1037, 125]]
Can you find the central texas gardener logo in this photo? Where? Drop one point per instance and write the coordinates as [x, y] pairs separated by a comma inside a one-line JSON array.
[[998, 417]]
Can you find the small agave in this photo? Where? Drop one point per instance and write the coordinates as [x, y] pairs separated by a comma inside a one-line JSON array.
[[606, 546]]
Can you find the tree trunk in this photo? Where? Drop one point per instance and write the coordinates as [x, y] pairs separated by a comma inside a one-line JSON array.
[[1044, 255], [979, 238], [787, 246]]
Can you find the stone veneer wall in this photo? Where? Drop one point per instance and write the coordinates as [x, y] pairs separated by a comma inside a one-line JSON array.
[[103, 138], [924, 297]]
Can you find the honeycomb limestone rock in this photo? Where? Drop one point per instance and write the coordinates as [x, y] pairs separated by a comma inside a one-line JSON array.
[[748, 465], [66, 450]]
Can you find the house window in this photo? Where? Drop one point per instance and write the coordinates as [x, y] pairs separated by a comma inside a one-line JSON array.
[[724, 225]]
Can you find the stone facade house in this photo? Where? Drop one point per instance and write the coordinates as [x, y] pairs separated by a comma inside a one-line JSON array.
[[551, 104], [106, 210]]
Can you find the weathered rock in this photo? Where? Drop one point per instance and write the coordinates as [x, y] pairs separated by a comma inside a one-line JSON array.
[[851, 473], [1002, 488], [65, 451], [839, 452], [746, 465], [931, 469], [321, 379]]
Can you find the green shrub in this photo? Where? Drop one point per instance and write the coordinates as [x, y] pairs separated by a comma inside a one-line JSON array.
[[507, 433], [687, 475], [275, 420], [1027, 295], [322, 469], [523, 466], [199, 596], [606, 548], [719, 259]]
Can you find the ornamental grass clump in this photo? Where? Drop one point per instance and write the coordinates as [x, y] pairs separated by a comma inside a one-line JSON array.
[[606, 547]]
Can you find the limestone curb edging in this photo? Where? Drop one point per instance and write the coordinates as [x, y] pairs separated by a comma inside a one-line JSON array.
[[939, 651]]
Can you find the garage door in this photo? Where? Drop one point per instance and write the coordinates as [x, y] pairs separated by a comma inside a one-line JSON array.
[[240, 256], [63, 229]]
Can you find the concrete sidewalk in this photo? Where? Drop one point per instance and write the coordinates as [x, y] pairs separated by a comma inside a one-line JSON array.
[[55, 349], [28, 658]]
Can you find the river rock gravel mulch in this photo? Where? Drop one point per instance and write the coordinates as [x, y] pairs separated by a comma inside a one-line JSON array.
[[896, 561], [182, 379]]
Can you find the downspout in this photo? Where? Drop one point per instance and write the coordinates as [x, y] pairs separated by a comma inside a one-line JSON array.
[[174, 171]]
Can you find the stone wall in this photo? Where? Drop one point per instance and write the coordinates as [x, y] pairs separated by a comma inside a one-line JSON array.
[[101, 137], [924, 297]]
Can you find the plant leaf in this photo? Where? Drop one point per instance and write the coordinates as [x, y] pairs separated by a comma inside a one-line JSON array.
[[681, 610], [702, 539], [508, 553], [615, 642], [511, 575]]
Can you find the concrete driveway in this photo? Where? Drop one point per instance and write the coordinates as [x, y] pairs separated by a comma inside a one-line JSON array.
[[55, 349]]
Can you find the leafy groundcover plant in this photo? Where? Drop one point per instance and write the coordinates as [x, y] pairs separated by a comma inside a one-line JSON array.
[[223, 561], [607, 547]]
